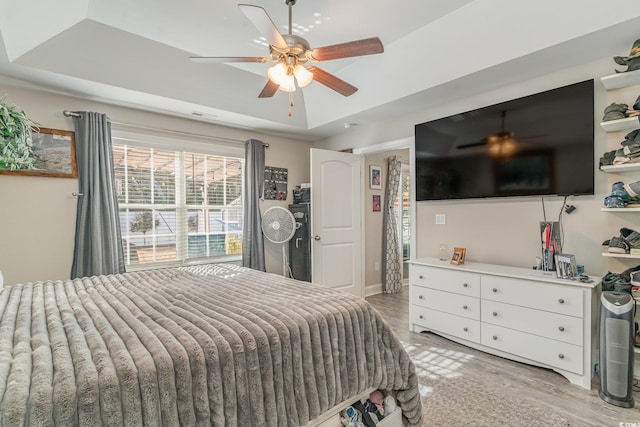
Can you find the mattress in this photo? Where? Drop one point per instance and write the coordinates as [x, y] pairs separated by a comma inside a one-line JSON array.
[[202, 345]]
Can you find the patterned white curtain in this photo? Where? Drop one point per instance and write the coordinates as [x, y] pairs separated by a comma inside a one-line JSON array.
[[391, 263]]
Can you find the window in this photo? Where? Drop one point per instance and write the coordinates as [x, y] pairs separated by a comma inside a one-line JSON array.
[[178, 205]]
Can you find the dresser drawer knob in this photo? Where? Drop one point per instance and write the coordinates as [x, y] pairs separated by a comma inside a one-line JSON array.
[[466, 329], [495, 314], [495, 337], [420, 297], [561, 356], [465, 307], [561, 328], [421, 317], [494, 290], [561, 300], [466, 285], [421, 277]]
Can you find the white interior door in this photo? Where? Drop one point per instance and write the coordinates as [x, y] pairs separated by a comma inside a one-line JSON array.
[[336, 226]]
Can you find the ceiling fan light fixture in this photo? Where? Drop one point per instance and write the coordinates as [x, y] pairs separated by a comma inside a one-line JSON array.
[[279, 74], [303, 76]]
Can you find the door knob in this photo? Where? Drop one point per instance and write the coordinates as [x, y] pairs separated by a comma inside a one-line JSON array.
[[316, 237]]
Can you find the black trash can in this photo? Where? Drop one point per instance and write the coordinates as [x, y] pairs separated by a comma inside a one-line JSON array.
[[616, 348]]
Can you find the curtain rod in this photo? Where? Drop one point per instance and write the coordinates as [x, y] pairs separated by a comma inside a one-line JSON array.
[[68, 113]]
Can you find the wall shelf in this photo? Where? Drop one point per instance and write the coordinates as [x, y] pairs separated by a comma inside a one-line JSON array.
[[620, 209], [625, 167], [612, 255], [621, 124], [619, 80]]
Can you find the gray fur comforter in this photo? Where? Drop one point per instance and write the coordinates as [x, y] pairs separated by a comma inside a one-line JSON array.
[[204, 345]]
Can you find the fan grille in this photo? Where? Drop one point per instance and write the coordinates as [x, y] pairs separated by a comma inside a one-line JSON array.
[[278, 224]]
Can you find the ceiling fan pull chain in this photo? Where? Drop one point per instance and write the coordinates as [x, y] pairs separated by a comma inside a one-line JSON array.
[[290, 104]]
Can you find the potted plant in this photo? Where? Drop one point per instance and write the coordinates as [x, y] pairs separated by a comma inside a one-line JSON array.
[[15, 138]]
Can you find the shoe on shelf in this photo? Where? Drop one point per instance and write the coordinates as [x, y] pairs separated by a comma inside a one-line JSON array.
[[617, 186], [615, 112], [632, 237], [635, 278], [614, 202], [633, 189], [618, 245]]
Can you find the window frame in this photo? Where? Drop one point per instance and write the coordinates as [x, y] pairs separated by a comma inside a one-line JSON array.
[[181, 144]]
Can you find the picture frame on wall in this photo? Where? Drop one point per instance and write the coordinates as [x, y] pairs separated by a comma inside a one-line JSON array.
[[54, 154], [375, 203], [375, 177]]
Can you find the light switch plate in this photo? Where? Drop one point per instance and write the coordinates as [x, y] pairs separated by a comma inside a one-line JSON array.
[[441, 219]]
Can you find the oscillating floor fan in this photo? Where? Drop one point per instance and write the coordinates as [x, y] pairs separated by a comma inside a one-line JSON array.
[[279, 226]]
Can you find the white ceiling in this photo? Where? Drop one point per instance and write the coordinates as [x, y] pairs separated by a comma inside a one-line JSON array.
[[135, 53]]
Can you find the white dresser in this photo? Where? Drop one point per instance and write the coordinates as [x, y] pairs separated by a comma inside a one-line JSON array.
[[509, 312]]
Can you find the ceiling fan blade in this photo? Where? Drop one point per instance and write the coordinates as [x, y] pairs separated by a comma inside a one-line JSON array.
[[261, 20], [269, 90], [347, 50], [473, 144], [225, 59], [332, 82]]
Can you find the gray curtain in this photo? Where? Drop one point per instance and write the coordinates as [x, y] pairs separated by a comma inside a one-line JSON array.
[[252, 239], [98, 240], [391, 263]]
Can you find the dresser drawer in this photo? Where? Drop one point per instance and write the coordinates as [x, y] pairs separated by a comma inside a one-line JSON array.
[[532, 294], [542, 323], [460, 305], [446, 323], [459, 282], [543, 350]]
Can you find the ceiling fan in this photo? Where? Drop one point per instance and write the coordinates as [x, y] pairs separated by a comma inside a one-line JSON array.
[[290, 52]]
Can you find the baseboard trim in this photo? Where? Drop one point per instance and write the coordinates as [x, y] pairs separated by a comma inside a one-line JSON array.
[[376, 288]]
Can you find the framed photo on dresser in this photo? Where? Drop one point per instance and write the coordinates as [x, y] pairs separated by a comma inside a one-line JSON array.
[[458, 256]]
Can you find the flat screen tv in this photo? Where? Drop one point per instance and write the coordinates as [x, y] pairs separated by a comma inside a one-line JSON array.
[[540, 144]]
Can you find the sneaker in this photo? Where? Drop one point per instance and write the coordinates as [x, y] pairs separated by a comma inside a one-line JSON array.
[[618, 245], [633, 189], [635, 278], [615, 112], [608, 280], [607, 158], [614, 202], [617, 186], [632, 237], [622, 286], [632, 138]]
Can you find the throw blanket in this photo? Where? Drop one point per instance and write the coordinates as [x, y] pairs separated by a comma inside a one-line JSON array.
[[205, 345]]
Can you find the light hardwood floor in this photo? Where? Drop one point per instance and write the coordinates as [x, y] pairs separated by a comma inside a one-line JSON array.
[[549, 389]]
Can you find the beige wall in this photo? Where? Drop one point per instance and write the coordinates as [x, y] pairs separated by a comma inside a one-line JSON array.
[[373, 220], [505, 231], [37, 215]]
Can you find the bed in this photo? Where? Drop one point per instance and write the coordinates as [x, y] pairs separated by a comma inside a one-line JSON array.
[[214, 344]]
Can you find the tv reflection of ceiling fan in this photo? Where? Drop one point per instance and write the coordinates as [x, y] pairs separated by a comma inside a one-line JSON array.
[[499, 141], [290, 52]]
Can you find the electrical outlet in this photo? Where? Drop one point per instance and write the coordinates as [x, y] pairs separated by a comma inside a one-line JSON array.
[[441, 219], [376, 266]]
